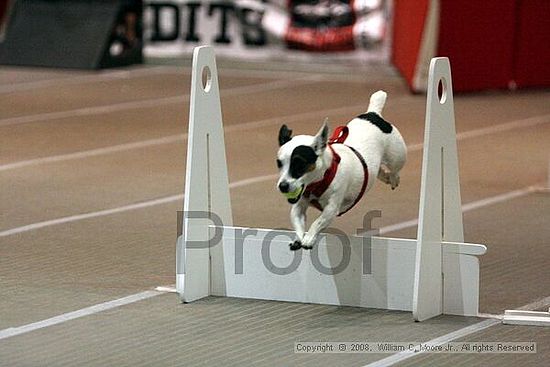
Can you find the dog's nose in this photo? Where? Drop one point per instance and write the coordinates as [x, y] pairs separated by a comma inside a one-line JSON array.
[[283, 186]]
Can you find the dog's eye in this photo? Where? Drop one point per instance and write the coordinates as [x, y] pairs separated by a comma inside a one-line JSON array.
[[279, 163]]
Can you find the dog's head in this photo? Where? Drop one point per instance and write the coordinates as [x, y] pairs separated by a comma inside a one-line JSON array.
[[298, 159]]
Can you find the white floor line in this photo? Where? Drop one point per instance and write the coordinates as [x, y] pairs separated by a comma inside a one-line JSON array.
[[283, 74], [94, 152], [494, 129], [122, 209], [101, 76], [499, 198], [8, 333], [491, 321], [536, 305], [261, 70], [91, 77], [100, 213], [507, 126], [467, 207], [490, 316], [531, 121], [96, 110], [401, 356], [151, 102]]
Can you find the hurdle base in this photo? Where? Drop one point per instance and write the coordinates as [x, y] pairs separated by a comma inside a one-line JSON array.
[[526, 318]]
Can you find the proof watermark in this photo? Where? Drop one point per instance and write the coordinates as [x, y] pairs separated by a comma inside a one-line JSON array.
[[415, 347], [213, 235]]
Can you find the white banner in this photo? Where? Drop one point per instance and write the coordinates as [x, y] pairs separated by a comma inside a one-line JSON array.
[[269, 29]]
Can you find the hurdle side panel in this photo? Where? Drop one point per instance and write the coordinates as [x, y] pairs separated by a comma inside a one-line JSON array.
[[439, 176], [461, 278], [453, 229], [206, 183], [460, 284]]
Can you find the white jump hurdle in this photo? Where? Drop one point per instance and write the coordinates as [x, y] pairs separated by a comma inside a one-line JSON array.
[[437, 273]]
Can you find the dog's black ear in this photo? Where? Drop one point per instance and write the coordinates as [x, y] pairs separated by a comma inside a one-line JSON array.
[[285, 134], [321, 139]]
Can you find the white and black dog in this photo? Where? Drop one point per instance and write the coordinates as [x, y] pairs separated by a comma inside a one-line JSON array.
[[333, 175]]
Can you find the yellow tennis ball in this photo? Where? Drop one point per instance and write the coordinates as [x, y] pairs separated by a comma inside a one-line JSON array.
[[293, 194]]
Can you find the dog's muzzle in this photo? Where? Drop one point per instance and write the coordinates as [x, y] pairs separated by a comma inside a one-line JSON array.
[[293, 196]]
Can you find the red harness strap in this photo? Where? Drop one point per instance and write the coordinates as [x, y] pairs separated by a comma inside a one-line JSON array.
[[317, 189], [365, 179], [339, 135]]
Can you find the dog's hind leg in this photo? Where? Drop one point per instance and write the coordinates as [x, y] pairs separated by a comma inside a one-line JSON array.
[[394, 158], [384, 174], [394, 180], [388, 177]]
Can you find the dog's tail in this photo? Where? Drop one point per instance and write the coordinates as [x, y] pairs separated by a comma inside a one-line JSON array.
[[377, 102]]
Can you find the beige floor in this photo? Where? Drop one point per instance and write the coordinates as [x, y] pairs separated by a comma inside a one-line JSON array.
[[47, 117]]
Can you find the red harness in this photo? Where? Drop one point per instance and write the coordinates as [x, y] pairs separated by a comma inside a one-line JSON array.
[[316, 189]]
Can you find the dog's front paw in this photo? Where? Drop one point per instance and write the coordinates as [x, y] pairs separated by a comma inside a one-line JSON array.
[[296, 245], [307, 247]]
